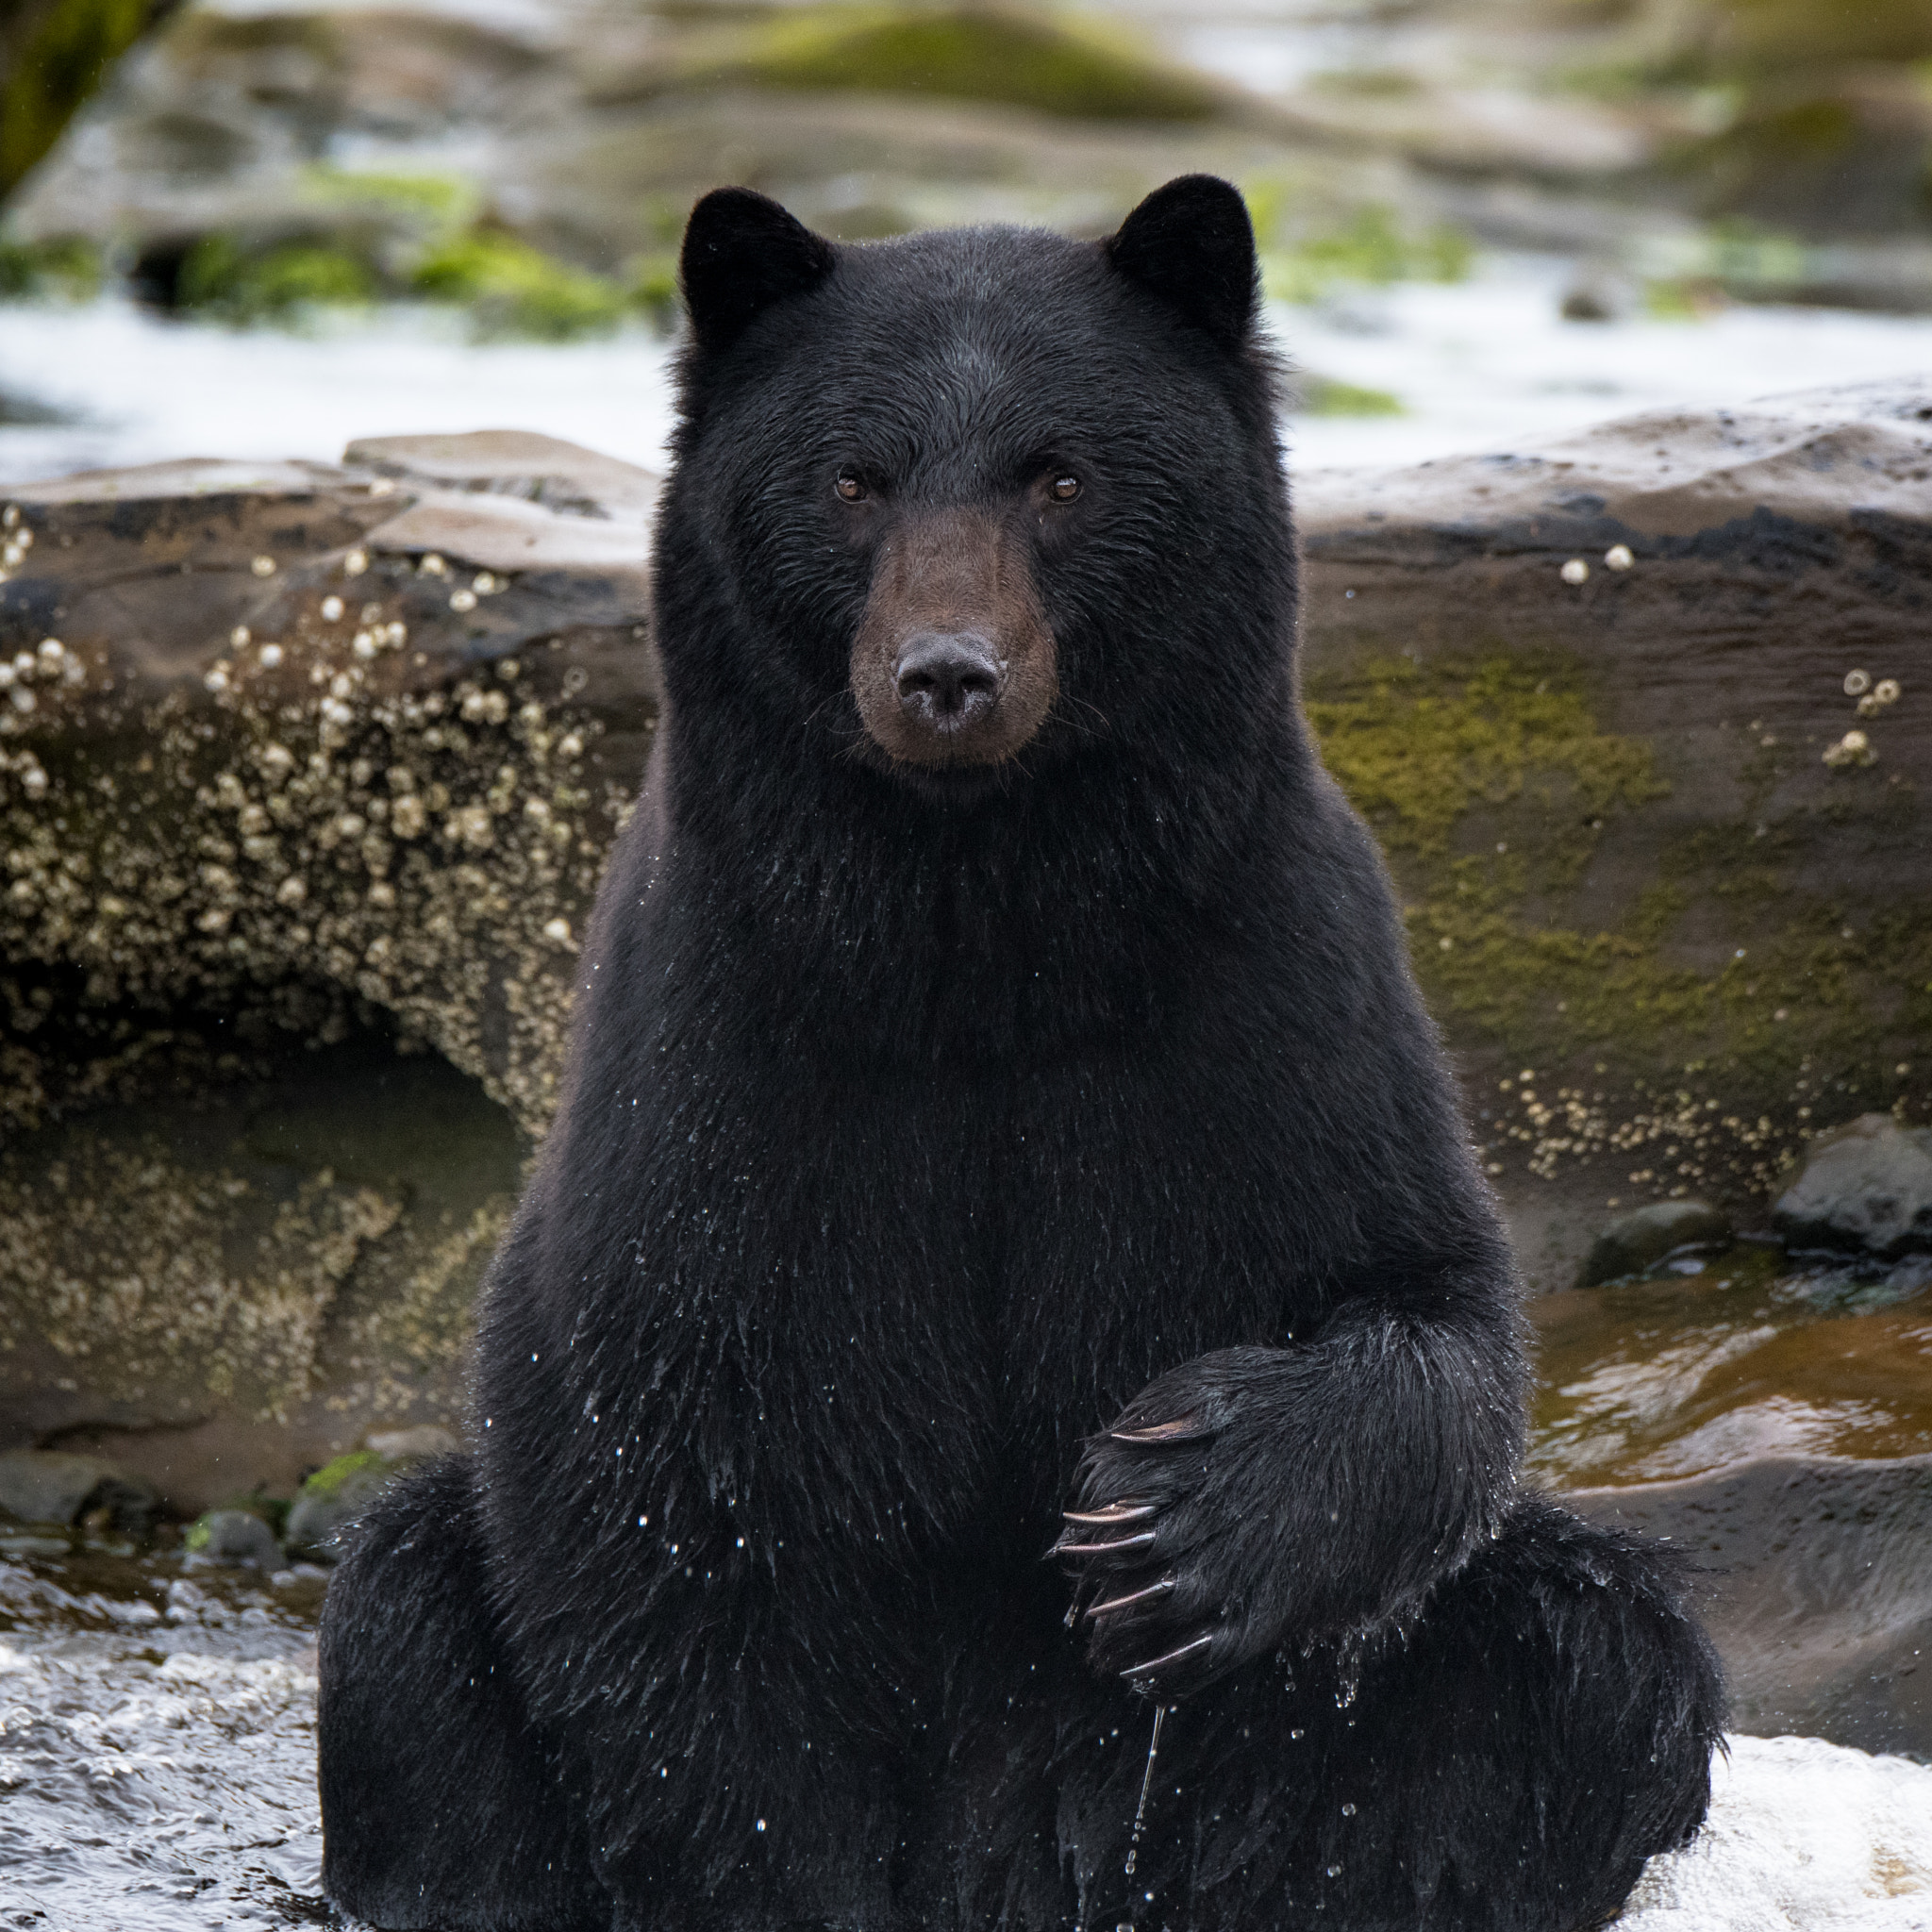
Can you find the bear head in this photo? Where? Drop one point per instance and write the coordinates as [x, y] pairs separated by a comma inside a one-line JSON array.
[[967, 505]]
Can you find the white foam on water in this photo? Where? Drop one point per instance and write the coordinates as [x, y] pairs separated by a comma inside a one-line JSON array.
[[1802, 1836], [1489, 364]]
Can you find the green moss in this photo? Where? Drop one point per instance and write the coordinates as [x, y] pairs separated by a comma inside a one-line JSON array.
[[406, 237], [331, 1479], [1371, 250], [978, 53], [511, 289], [1321, 395], [222, 278], [442, 202], [69, 270], [1442, 758], [652, 290], [1417, 748]]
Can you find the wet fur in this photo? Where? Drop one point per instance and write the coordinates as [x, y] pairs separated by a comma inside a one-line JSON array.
[[916, 1130]]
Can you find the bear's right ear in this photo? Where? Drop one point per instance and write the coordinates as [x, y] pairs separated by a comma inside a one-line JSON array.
[[1192, 244], [741, 252]]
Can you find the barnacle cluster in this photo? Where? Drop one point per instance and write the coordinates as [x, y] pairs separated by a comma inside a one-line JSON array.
[[325, 835], [1873, 700], [1684, 1140]]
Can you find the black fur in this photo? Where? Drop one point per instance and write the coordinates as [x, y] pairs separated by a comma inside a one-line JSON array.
[[917, 1125]]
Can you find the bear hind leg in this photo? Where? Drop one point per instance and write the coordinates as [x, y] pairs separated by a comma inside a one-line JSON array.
[[1509, 1766], [441, 1807]]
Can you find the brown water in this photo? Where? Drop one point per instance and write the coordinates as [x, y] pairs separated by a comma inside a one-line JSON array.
[[1725, 1360]]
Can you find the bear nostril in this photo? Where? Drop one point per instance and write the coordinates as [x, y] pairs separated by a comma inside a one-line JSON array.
[[948, 679]]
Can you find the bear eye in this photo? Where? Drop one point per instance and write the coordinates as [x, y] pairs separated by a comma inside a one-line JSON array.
[[1065, 488], [850, 489]]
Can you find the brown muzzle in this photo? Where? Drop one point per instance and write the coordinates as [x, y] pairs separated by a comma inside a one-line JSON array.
[[954, 663]]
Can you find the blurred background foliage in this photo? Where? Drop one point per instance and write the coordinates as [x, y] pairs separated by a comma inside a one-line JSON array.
[[531, 166]]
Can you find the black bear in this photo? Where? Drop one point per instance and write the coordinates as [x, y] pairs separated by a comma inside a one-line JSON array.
[[1001, 1125]]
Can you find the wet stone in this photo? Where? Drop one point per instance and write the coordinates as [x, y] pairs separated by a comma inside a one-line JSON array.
[[45, 1486], [32, 1543], [335, 1496], [234, 1535], [1815, 1585], [1636, 1242], [1866, 1186]]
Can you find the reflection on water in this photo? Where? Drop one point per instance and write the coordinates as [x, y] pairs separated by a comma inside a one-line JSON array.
[[1725, 1360], [156, 1746]]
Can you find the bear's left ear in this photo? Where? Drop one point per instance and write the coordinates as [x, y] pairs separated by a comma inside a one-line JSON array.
[[741, 252], [1192, 244]]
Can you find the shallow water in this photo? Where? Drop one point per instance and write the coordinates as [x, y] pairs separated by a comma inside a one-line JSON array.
[[157, 1747], [1485, 364], [158, 1752], [1720, 1360]]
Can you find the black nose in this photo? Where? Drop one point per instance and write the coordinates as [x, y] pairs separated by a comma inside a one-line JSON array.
[[948, 679]]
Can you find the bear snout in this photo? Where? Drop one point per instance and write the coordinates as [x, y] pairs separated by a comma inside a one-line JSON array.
[[948, 680], [954, 663]]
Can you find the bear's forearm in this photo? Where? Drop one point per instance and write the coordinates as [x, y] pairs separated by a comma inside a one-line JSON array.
[[1284, 1495], [1390, 1454]]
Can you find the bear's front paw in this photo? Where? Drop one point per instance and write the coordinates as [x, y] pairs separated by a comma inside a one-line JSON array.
[[1174, 1535]]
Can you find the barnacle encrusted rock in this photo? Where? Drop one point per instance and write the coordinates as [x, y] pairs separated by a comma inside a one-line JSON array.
[[320, 741], [301, 769]]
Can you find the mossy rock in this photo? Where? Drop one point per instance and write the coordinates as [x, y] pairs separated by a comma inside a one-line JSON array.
[[1670, 923], [511, 289], [233, 1536], [222, 278], [332, 1499], [69, 270], [981, 54]]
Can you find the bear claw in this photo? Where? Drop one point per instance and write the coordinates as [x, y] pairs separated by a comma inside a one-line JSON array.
[[1112, 1513], [1119, 1544], [1137, 1596], [1137, 1672], [1185, 1428]]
